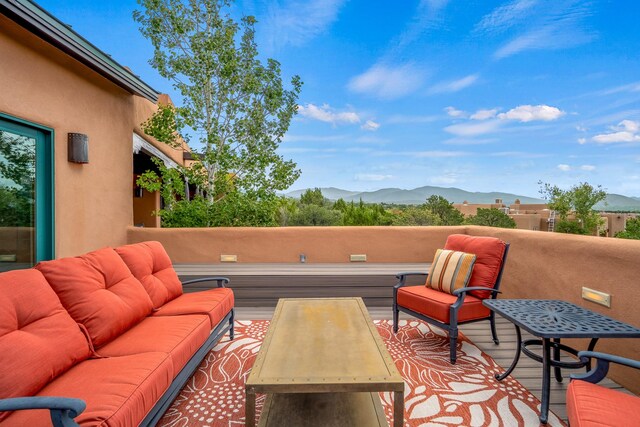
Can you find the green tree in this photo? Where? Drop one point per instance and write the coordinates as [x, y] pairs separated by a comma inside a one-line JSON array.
[[313, 214], [491, 218], [236, 106], [415, 215], [579, 200], [17, 177], [365, 214], [631, 229], [444, 210], [313, 197]]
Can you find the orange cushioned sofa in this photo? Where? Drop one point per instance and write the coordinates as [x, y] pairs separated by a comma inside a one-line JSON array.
[[104, 339]]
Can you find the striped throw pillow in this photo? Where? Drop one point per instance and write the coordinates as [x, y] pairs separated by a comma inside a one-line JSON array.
[[450, 270]]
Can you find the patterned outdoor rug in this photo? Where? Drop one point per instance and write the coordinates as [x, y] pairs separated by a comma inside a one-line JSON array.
[[436, 392]]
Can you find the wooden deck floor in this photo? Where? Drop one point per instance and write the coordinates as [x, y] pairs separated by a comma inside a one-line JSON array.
[[528, 371]]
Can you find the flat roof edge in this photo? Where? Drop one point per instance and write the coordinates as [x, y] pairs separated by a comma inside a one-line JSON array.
[[46, 26]]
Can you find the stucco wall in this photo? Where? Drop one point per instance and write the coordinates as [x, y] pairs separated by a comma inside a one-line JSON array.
[[541, 265], [285, 244], [38, 83]]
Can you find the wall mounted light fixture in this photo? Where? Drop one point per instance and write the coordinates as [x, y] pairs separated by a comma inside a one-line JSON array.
[[78, 148]]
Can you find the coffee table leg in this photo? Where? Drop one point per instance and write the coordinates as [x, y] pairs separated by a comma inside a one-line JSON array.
[[250, 408], [556, 356], [398, 409], [546, 379]]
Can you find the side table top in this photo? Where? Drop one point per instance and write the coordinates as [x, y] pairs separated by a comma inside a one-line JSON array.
[[560, 319]]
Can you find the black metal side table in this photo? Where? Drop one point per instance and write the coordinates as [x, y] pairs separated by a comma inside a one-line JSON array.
[[552, 320]]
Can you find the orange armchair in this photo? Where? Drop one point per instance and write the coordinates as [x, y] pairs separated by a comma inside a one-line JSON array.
[[447, 311], [591, 405]]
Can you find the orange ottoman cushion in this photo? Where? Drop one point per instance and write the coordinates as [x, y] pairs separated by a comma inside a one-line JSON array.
[[436, 304], [215, 303], [99, 291], [151, 265], [591, 405], [488, 251], [118, 391], [38, 338]]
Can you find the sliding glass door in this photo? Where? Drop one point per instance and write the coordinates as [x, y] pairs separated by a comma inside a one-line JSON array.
[[26, 194]]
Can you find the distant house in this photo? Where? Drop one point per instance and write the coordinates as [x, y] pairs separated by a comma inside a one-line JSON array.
[[70, 141]]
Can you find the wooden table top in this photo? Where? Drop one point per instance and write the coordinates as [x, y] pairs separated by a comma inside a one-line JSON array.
[[322, 345]]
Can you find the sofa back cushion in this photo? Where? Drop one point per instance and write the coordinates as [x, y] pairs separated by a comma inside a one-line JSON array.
[[489, 252], [151, 265], [38, 338], [99, 291]]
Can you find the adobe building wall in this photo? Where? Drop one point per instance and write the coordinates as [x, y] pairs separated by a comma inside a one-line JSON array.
[[40, 84], [142, 110], [539, 265]]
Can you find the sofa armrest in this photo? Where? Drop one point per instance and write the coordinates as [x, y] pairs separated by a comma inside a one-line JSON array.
[[63, 409], [599, 372], [220, 280]]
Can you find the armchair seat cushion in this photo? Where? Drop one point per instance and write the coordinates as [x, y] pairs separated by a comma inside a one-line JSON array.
[[119, 391], [179, 336], [436, 304], [215, 303], [591, 405]]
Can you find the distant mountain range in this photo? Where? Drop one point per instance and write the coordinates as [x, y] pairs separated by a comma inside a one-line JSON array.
[[614, 202]]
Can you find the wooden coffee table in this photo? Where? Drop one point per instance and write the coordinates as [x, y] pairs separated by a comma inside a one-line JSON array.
[[323, 362]]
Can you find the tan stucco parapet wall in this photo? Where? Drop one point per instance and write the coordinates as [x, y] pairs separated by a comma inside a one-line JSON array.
[[541, 265]]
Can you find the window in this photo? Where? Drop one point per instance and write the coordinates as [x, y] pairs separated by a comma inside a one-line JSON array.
[[26, 194]]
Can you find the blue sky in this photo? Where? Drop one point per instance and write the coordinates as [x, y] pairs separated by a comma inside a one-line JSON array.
[[479, 95]]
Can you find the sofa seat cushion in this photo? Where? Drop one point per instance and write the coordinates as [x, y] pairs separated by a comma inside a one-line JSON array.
[[489, 252], [151, 265], [179, 336], [591, 405], [436, 304], [215, 303], [38, 339], [118, 391], [99, 291]]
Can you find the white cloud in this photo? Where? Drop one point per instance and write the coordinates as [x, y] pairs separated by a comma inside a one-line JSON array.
[[564, 168], [473, 129], [582, 141], [631, 87], [581, 128], [446, 179], [313, 138], [370, 125], [326, 114], [454, 85], [368, 139], [295, 22], [551, 25], [588, 168], [505, 16], [426, 16], [625, 131], [454, 112], [484, 114], [402, 119], [372, 177], [528, 113], [388, 82]]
